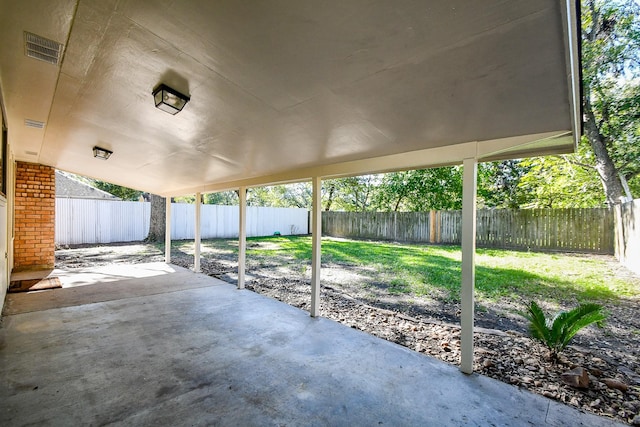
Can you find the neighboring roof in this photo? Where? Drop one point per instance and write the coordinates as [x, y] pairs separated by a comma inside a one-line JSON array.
[[67, 185], [283, 91]]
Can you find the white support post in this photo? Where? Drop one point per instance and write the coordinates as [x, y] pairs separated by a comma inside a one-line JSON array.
[[242, 236], [316, 238], [197, 235], [167, 232], [468, 263]]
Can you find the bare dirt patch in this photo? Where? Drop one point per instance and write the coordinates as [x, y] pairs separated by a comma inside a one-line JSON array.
[[116, 253], [357, 298]]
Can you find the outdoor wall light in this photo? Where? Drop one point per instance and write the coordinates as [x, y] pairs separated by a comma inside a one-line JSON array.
[[101, 153], [169, 100]]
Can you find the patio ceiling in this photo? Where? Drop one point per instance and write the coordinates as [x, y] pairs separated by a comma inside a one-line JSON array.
[[286, 90]]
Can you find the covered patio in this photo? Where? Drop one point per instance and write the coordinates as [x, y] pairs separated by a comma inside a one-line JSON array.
[[278, 92], [156, 344]]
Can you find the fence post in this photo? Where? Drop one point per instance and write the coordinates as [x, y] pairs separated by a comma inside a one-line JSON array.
[[432, 226]]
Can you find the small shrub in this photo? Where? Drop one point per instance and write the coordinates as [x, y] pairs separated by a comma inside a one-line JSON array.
[[556, 333]]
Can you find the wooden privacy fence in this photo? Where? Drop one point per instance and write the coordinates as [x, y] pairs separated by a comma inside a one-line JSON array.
[[576, 230], [86, 221]]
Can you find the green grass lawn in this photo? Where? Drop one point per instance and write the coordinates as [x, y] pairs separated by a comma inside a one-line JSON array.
[[435, 270]]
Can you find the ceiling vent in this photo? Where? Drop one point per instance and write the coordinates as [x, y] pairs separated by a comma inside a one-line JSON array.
[[33, 124], [43, 49]]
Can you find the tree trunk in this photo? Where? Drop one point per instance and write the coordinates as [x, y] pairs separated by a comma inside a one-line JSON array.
[[157, 225], [400, 198], [332, 189], [607, 171]]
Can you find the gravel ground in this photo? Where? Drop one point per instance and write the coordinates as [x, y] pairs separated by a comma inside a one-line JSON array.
[[502, 349]]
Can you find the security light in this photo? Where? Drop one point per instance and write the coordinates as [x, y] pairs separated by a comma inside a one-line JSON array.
[[101, 153], [169, 100]]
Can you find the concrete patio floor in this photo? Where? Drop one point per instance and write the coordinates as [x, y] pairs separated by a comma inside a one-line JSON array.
[[155, 344]]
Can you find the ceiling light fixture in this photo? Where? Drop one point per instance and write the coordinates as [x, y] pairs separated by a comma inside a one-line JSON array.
[[169, 100], [101, 153]]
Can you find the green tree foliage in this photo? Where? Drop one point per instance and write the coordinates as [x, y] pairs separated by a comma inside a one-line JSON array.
[[611, 93], [124, 193], [190, 199], [415, 190], [352, 194], [558, 182], [222, 198], [557, 332], [296, 195], [420, 190], [499, 184], [229, 198]]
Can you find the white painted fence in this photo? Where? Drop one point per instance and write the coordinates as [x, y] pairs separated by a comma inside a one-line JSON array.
[[83, 221], [222, 221]]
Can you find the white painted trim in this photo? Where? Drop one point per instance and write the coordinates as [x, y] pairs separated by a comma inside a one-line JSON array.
[[167, 233], [242, 236], [432, 157], [470, 176], [11, 199], [572, 30], [316, 251], [4, 255], [502, 148], [197, 234]]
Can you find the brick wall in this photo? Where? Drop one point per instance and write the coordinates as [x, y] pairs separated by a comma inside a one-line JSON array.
[[35, 198]]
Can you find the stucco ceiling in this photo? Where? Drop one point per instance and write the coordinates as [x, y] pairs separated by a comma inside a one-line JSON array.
[[284, 90]]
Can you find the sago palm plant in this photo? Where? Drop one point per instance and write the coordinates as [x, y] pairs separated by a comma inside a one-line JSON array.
[[556, 333]]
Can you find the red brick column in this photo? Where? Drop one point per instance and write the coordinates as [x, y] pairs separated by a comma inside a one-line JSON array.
[[35, 204]]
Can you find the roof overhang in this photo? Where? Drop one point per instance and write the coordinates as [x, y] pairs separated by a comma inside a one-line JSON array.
[[284, 91]]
